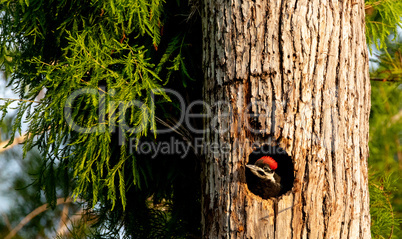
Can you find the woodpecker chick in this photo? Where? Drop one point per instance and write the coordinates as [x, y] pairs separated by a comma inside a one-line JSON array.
[[263, 180]]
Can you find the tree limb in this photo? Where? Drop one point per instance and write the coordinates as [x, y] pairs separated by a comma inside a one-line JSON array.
[[18, 140], [384, 80], [33, 214], [64, 229], [64, 217]]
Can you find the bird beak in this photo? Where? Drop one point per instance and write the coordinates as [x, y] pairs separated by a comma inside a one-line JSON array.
[[255, 169], [259, 172], [251, 167]]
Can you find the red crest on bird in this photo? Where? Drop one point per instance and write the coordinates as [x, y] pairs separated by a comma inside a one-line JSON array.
[[270, 161]]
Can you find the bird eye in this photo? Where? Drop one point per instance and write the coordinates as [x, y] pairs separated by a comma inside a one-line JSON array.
[[266, 169]]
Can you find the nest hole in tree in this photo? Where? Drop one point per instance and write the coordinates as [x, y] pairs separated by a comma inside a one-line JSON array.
[[285, 168]]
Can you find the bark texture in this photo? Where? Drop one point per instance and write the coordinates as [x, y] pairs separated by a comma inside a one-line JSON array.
[[292, 73]]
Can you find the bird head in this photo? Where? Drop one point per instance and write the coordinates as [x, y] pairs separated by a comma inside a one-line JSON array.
[[264, 167]]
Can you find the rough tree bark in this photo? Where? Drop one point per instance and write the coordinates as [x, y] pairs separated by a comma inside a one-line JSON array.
[[301, 66]]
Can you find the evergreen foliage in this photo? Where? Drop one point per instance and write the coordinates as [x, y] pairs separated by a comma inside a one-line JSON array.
[[385, 159], [383, 17], [382, 21], [385, 221], [87, 49], [27, 195], [113, 57]]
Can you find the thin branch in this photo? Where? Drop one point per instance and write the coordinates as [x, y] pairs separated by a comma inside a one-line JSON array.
[[33, 214], [393, 217], [378, 23], [368, 6], [180, 131], [32, 101], [18, 140], [384, 80], [64, 228], [5, 218], [97, 87], [64, 216]]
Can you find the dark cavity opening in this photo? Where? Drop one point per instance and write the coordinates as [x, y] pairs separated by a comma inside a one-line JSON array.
[[285, 171]]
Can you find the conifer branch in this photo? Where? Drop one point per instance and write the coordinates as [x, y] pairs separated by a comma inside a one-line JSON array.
[[5, 218], [368, 6], [63, 228], [180, 131], [18, 140], [384, 80], [392, 215], [97, 87], [22, 100], [33, 214], [64, 217]]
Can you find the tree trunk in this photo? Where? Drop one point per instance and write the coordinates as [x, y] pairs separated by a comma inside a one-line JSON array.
[[295, 74]]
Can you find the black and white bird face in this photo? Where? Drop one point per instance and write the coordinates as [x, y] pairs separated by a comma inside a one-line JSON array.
[[264, 173]]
